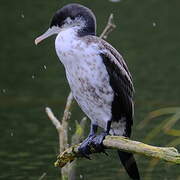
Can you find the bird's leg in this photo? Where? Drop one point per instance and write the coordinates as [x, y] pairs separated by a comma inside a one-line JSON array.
[[93, 130], [84, 148], [97, 141]]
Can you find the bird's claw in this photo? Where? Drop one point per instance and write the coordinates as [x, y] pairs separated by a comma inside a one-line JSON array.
[[95, 142], [84, 148]]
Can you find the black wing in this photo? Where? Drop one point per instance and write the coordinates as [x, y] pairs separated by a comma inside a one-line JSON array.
[[121, 83]]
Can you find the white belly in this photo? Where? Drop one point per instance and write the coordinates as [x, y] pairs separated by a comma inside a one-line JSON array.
[[92, 94], [88, 79]]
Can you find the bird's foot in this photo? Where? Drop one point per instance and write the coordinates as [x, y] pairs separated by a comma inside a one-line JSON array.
[[92, 143], [97, 143], [84, 148]]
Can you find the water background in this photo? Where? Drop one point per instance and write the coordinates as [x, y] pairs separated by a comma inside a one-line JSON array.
[[31, 78]]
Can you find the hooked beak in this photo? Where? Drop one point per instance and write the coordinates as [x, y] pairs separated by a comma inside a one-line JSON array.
[[51, 31]]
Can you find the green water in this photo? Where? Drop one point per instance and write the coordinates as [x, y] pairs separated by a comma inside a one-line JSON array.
[[32, 78]]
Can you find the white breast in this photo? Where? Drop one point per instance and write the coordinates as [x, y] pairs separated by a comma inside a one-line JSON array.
[[87, 76]]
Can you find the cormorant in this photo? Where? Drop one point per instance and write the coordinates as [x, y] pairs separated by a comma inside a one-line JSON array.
[[98, 77]]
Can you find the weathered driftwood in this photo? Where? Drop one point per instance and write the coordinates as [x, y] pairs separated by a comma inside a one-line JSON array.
[[169, 154]]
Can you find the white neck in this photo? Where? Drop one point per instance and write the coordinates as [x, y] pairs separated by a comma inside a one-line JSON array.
[[65, 42], [67, 33]]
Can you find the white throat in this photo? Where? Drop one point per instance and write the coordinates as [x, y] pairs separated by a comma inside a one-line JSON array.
[[65, 42], [64, 36]]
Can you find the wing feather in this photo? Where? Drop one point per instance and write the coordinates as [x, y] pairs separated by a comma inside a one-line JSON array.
[[121, 83]]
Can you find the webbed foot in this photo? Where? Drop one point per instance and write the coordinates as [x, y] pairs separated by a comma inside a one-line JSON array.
[[84, 148], [94, 142], [97, 143]]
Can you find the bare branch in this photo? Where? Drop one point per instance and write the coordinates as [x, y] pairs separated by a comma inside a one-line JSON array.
[[67, 113], [53, 118], [168, 154], [43, 176], [109, 27]]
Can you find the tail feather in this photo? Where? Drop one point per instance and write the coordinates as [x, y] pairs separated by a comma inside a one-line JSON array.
[[129, 164]]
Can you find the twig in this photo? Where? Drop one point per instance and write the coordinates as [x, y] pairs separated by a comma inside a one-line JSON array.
[[53, 118], [63, 137], [67, 113], [62, 128], [109, 27], [168, 154], [42, 176]]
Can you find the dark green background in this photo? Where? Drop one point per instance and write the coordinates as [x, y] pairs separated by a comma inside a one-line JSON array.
[[28, 140]]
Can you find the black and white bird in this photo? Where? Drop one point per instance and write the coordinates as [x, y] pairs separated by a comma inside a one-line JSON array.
[[98, 77]]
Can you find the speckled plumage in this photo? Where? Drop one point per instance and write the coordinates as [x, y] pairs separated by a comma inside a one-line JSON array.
[[88, 77]]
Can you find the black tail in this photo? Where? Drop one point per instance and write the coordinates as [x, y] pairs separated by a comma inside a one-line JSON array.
[[129, 164]]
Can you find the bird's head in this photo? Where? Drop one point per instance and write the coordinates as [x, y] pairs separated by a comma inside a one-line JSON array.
[[71, 15]]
